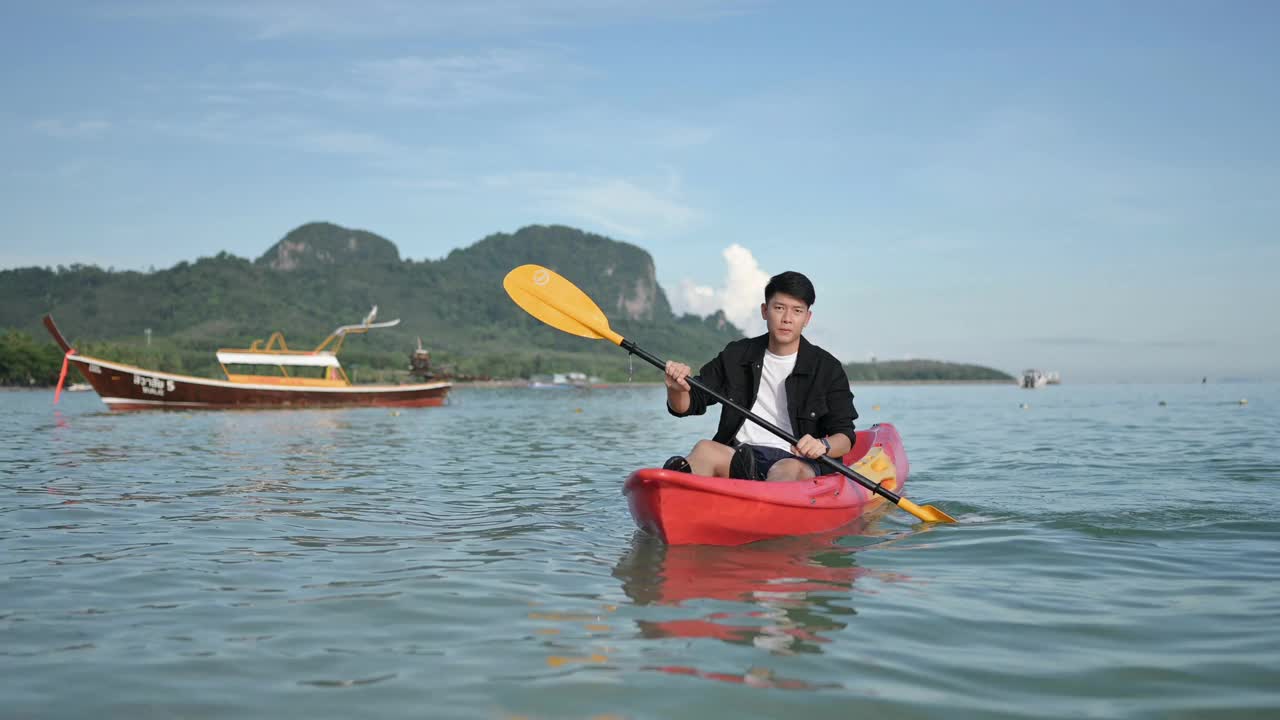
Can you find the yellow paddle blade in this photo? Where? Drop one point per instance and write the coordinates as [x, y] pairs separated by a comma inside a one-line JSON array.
[[557, 302], [927, 513]]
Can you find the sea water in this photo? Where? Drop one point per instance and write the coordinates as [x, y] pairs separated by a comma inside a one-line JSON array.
[[1117, 556]]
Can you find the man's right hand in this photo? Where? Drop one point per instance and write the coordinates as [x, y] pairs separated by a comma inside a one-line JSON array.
[[675, 376]]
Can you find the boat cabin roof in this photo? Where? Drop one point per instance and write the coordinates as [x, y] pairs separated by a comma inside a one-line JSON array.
[[231, 357]]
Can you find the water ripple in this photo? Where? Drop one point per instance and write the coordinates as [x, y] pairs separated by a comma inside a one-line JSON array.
[[1114, 558]]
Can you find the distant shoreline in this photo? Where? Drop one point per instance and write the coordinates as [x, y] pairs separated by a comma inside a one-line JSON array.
[[855, 383], [648, 383], [495, 384]]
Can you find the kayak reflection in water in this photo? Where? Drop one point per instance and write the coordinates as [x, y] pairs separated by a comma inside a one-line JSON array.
[[792, 587], [780, 377]]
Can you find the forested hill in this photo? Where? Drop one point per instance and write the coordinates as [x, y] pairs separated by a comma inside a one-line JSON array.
[[322, 275], [910, 371]]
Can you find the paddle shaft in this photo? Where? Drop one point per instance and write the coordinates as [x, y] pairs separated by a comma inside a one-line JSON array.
[[827, 460]]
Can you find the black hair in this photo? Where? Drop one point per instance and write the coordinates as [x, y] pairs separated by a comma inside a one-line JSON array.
[[791, 283]]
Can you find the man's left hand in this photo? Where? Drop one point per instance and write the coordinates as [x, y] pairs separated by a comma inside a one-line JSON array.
[[810, 447]]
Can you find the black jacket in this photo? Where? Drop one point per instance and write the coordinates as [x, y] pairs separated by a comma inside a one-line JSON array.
[[818, 397]]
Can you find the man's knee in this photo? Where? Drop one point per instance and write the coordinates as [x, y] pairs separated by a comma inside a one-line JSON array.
[[710, 458], [790, 469], [711, 448]]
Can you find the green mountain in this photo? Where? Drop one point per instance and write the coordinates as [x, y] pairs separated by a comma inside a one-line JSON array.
[[320, 276], [320, 245], [922, 371]]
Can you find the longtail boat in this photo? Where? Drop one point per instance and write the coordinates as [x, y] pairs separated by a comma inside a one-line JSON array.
[[303, 378]]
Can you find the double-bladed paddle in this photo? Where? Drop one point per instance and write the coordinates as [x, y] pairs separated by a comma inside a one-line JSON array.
[[559, 303]]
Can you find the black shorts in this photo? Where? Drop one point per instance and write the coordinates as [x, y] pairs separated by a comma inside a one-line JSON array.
[[766, 456]]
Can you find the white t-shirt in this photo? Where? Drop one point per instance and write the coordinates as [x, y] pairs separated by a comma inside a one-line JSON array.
[[771, 403]]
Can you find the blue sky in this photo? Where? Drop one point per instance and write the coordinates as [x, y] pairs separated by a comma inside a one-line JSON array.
[[1089, 187]]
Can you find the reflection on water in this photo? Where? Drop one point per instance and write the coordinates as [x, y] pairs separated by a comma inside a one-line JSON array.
[[791, 594], [779, 599], [753, 677], [575, 638]]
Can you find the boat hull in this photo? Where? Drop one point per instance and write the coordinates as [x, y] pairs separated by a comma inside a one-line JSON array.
[[684, 509], [124, 387]]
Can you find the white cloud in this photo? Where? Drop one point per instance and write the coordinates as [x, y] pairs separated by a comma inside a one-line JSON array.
[[450, 80], [739, 297], [626, 208], [267, 20], [497, 75], [682, 137], [615, 205], [356, 144], [68, 129], [298, 133], [696, 299], [222, 99]]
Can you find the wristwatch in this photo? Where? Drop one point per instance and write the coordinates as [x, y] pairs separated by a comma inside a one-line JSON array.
[[825, 442]]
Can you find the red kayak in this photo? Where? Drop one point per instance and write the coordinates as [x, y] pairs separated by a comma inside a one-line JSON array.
[[685, 509]]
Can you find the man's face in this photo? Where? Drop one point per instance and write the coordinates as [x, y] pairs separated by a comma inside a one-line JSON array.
[[785, 316]]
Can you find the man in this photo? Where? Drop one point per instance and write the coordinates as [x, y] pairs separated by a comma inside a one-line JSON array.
[[782, 378]]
